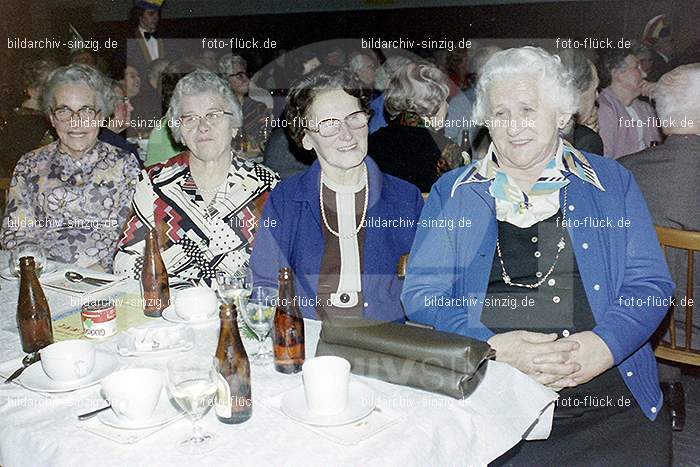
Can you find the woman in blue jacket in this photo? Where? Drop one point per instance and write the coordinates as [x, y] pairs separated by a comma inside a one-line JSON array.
[[556, 264], [341, 225]]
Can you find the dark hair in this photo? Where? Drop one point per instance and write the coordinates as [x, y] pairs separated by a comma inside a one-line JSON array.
[[611, 60], [302, 94]]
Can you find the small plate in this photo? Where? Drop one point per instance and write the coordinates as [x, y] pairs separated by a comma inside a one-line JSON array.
[[172, 317], [6, 274], [361, 403], [35, 379], [156, 338], [164, 413]]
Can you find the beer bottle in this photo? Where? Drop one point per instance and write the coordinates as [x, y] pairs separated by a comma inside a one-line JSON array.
[[33, 314], [234, 403], [154, 278], [288, 327]]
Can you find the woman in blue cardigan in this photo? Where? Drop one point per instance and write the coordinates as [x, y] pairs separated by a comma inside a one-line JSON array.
[[556, 264], [341, 225]]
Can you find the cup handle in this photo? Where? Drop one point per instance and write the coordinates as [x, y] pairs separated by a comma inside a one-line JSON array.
[[121, 407]]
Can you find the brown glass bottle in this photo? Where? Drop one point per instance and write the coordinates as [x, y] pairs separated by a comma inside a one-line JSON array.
[[234, 403], [288, 327], [33, 314], [154, 278]]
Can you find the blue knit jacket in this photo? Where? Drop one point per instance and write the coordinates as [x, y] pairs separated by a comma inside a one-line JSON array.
[[623, 269]]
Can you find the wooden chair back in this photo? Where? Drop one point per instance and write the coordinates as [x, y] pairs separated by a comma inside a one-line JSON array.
[[681, 352], [4, 192]]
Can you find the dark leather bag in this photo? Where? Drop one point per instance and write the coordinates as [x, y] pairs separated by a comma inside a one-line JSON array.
[[435, 361]]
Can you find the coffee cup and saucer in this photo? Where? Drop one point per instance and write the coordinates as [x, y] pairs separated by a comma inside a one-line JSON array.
[[195, 305], [67, 366], [329, 396], [137, 400]]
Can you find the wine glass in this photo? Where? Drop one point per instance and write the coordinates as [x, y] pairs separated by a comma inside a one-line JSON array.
[[234, 289], [192, 381], [27, 249], [258, 315]]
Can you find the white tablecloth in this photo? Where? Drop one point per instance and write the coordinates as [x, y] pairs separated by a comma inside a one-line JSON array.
[[40, 430]]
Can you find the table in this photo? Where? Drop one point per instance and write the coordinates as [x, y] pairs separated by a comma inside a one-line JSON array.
[[36, 429]]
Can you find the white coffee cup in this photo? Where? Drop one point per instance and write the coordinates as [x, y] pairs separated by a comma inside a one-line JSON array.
[[133, 393], [195, 303], [326, 381], [68, 360]]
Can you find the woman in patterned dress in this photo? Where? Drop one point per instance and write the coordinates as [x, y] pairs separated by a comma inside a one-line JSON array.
[[205, 202], [72, 196]]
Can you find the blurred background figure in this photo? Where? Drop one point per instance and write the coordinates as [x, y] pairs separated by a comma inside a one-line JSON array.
[[645, 57], [627, 124], [675, 204], [256, 115], [382, 77], [364, 64], [581, 131], [413, 147], [27, 127], [658, 37], [119, 119], [145, 44], [147, 102]]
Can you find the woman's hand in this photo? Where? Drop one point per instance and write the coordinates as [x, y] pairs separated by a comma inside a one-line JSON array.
[[648, 89], [541, 356], [593, 356]]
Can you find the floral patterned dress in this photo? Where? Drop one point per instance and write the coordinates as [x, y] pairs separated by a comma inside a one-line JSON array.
[[75, 208], [196, 239]]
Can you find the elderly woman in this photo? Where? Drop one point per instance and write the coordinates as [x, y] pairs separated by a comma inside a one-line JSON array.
[[205, 202], [341, 225], [559, 269], [627, 124], [73, 195], [582, 129], [413, 147]]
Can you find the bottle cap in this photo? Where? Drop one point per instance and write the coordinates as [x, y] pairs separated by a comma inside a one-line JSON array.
[[27, 262]]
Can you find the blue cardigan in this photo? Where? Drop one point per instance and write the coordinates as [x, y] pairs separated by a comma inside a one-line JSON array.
[[290, 235], [619, 266]]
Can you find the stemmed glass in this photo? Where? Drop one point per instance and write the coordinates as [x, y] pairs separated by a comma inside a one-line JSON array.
[[27, 249], [234, 289], [192, 381], [258, 314]]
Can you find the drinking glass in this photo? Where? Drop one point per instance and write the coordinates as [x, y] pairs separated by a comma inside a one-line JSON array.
[[192, 381], [27, 249], [234, 289], [258, 315]]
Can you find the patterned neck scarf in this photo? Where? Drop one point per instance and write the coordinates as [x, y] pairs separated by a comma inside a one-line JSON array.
[[526, 209]]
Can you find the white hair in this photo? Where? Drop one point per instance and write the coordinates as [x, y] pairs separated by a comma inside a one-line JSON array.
[[416, 88], [677, 96], [84, 75], [196, 83], [554, 80]]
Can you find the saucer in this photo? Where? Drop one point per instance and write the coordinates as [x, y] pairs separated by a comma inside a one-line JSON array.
[[171, 316], [35, 379], [49, 268], [165, 412], [361, 402]]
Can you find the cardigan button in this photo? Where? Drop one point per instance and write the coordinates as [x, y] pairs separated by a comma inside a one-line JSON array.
[[534, 239], [629, 373], [551, 282], [571, 207], [653, 410], [596, 287], [556, 299], [584, 246], [565, 333], [366, 304]]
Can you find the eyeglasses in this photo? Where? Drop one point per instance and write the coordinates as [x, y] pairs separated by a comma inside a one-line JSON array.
[[239, 75], [64, 114], [212, 118], [123, 100], [331, 126]]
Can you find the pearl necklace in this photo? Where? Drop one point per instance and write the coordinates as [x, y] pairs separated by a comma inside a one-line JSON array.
[[364, 209], [560, 247]]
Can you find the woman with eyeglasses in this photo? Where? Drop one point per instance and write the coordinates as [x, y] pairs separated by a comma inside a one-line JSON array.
[[341, 225], [413, 146], [205, 203], [72, 196]]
